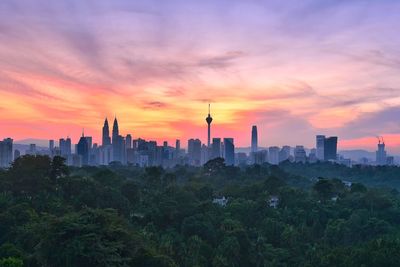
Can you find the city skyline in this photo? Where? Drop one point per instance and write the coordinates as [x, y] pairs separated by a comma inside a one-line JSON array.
[[293, 69], [126, 150]]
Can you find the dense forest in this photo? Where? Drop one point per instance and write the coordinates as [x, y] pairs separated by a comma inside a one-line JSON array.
[[215, 215]]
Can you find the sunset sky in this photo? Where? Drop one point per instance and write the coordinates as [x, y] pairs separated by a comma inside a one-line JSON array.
[[293, 68]]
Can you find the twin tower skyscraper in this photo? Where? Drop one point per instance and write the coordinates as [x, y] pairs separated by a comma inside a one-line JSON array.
[[106, 132], [117, 141]]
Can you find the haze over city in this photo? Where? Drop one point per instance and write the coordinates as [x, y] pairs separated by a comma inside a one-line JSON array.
[[293, 68]]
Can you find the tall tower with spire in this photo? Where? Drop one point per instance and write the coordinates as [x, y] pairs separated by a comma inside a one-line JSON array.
[[106, 134], [209, 120], [115, 132]]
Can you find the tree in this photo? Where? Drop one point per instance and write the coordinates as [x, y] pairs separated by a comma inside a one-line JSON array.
[[89, 238], [11, 262], [30, 175], [58, 168], [273, 183], [214, 166], [324, 188]]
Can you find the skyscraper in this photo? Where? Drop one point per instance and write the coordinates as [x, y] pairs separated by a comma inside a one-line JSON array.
[[254, 139], [177, 148], [115, 131], [6, 152], [300, 154], [119, 149], [284, 154], [216, 148], [51, 146], [229, 151], [209, 120], [89, 140], [118, 143], [83, 150], [330, 148], [128, 141], [65, 147], [106, 134], [381, 157], [273, 155], [194, 151], [320, 144]]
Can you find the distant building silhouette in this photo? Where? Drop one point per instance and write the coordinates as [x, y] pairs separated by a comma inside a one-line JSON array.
[[6, 152], [118, 144], [284, 153], [83, 150], [216, 148], [254, 139], [229, 151], [326, 147], [273, 155], [300, 154], [381, 156], [330, 148], [320, 144], [106, 134], [259, 157], [65, 148], [177, 148], [51, 147], [194, 151], [115, 131], [31, 150], [128, 141]]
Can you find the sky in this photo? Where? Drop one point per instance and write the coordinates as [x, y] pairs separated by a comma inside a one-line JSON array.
[[293, 68]]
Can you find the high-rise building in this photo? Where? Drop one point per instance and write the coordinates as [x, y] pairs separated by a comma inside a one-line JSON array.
[[115, 132], [177, 148], [51, 146], [254, 139], [209, 120], [259, 157], [330, 148], [65, 147], [106, 134], [273, 155], [229, 151], [204, 154], [312, 157], [381, 156], [284, 154], [105, 155], [89, 140], [194, 151], [119, 149], [216, 148], [6, 152], [320, 144], [128, 141], [31, 150], [83, 150], [300, 154]]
